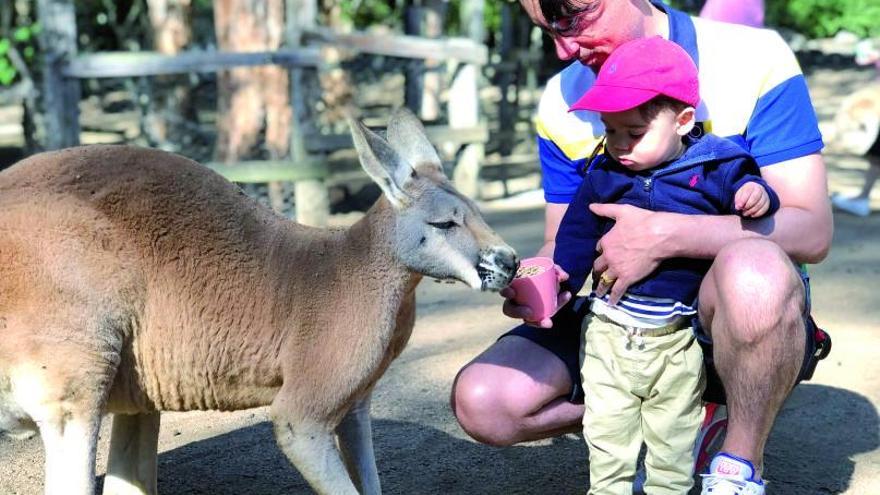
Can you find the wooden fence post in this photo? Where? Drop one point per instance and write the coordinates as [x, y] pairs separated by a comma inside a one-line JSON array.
[[415, 69], [434, 12], [505, 79], [464, 105], [310, 196], [60, 94]]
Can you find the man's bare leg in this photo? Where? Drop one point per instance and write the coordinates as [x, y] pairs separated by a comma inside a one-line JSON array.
[[751, 304], [515, 391]]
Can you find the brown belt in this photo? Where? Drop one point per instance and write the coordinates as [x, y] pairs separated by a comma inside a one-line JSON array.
[[649, 332]]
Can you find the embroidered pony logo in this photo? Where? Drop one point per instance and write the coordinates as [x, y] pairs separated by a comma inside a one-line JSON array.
[[694, 180]]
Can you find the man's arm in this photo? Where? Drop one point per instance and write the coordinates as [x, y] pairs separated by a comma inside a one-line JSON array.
[[641, 239], [802, 227], [553, 214]]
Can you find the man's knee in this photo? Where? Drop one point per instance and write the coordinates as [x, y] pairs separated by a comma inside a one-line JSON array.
[[757, 290], [482, 407]]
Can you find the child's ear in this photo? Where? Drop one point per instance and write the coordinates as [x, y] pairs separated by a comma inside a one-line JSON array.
[[685, 121]]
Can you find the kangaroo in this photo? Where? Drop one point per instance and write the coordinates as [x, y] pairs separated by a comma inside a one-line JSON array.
[[134, 281]]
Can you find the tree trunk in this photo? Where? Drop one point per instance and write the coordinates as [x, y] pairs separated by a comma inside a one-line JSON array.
[[171, 105], [251, 100]]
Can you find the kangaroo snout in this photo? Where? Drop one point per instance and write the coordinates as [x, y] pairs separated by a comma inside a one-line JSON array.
[[497, 267]]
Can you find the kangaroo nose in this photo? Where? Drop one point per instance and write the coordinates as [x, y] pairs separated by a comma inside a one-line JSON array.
[[497, 267], [509, 259]]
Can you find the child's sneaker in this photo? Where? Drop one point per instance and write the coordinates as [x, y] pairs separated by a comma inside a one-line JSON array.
[[731, 475]]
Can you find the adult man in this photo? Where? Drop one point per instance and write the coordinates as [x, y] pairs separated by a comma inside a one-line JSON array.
[[753, 304]]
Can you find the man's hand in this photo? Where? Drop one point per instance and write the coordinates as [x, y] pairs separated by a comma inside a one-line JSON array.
[[751, 200], [629, 252], [514, 310]]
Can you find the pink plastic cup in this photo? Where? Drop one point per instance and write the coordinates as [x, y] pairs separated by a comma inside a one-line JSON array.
[[537, 286]]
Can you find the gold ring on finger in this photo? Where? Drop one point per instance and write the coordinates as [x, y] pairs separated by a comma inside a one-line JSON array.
[[606, 280]]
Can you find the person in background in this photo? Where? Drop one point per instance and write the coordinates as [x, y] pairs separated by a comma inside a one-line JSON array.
[[856, 124], [753, 318], [745, 12], [860, 204]]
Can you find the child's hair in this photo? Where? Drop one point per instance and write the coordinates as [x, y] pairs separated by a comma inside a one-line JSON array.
[[655, 105]]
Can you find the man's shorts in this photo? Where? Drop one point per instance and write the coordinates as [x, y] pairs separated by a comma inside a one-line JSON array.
[[563, 340]]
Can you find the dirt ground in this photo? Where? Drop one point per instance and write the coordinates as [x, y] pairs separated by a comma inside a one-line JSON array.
[[826, 440]]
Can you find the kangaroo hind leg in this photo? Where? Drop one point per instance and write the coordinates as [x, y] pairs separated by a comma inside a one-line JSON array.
[[132, 465], [355, 436]]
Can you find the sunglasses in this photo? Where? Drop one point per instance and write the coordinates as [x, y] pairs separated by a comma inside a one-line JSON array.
[[572, 24]]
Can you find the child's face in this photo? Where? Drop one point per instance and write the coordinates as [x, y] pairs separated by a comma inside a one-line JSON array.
[[639, 144]]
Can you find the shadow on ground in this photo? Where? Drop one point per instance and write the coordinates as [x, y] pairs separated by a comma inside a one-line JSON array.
[[413, 459], [820, 429]]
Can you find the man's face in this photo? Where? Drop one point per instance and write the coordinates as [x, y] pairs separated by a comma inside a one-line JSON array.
[[589, 30]]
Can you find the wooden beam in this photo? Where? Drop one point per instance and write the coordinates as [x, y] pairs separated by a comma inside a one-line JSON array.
[[268, 171], [310, 194], [136, 64], [436, 134], [16, 93], [396, 45]]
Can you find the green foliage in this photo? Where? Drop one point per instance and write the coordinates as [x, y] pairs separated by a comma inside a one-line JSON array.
[[689, 6], [364, 13], [23, 40], [491, 15], [824, 18]]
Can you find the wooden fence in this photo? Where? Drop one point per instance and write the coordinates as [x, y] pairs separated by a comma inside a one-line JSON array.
[[306, 166]]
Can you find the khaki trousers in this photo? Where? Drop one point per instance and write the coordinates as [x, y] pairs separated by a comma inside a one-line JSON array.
[[640, 390]]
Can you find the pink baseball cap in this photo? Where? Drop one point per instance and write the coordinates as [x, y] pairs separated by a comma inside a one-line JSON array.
[[639, 70]]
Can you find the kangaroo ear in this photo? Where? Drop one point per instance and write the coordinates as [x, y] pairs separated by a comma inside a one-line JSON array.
[[384, 165], [407, 135]]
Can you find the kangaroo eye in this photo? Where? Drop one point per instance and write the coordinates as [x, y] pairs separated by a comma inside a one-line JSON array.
[[443, 225]]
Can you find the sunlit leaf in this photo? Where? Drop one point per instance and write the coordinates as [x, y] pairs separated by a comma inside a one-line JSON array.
[[7, 75], [22, 34]]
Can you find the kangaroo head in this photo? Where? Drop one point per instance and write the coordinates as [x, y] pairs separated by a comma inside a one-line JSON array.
[[438, 232]]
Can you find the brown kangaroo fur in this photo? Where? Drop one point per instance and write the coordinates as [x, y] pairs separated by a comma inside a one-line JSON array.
[[133, 281]]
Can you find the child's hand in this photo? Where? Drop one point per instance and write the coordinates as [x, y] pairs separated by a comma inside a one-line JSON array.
[[751, 200]]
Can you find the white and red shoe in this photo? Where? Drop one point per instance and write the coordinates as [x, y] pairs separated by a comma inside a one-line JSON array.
[[731, 475]]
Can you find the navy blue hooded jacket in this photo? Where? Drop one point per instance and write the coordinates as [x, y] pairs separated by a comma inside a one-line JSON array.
[[703, 181]]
